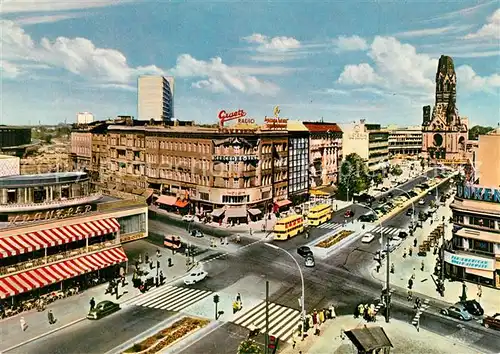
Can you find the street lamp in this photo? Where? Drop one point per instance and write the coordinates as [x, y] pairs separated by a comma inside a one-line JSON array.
[[302, 302]]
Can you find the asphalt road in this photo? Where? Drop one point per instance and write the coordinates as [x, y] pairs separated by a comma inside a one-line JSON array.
[[98, 336]]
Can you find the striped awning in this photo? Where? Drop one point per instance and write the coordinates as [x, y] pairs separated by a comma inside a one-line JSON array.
[[38, 278], [32, 241]]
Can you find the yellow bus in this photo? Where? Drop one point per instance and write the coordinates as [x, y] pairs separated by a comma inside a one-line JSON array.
[[288, 227], [319, 214]]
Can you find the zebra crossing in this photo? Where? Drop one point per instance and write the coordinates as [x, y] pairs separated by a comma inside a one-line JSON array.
[[330, 226], [283, 321], [171, 298], [386, 230], [423, 307]]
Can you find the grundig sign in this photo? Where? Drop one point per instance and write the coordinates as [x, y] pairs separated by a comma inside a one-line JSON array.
[[50, 214], [225, 117], [475, 192]]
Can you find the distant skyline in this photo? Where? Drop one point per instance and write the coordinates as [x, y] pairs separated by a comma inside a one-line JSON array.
[[337, 61]]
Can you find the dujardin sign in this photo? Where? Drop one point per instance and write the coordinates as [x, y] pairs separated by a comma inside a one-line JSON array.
[[477, 192], [275, 123], [53, 214]]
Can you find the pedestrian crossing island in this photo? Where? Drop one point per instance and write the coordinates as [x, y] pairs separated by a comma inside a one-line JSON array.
[[171, 298], [283, 321]]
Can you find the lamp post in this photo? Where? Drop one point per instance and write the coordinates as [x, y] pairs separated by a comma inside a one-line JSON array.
[[302, 302]]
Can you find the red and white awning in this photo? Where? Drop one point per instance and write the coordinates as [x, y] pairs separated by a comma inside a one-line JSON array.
[[38, 278], [18, 244]]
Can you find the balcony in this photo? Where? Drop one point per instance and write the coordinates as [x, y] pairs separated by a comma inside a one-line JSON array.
[[61, 203]]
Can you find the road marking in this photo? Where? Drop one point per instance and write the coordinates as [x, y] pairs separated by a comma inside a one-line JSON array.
[[172, 298], [283, 321], [387, 230], [330, 225]]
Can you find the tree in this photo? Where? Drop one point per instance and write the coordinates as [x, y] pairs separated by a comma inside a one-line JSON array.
[[378, 179], [477, 130], [47, 138], [354, 176], [249, 347], [396, 170]]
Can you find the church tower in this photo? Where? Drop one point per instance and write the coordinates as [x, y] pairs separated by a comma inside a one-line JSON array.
[[444, 132]]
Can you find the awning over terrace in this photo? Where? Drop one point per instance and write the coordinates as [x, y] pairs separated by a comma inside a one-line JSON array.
[[38, 278], [32, 241]]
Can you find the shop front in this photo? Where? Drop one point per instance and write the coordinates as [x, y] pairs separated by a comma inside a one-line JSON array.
[[471, 268]]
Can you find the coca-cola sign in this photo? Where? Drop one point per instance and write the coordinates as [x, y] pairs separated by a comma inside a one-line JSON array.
[[225, 116]]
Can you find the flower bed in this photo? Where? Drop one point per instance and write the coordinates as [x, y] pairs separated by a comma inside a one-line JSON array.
[[332, 240], [168, 336]]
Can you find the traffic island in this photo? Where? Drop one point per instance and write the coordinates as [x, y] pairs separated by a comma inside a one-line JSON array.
[[331, 242], [168, 336]]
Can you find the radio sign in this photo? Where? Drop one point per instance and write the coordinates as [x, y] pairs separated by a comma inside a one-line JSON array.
[[225, 117]]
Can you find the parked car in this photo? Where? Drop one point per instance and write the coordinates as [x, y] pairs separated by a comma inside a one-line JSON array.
[[304, 251], [409, 212], [349, 213], [492, 321], [195, 277], [103, 309], [367, 238], [309, 262], [473, 307], [403, 234], [457, 311], [188, 218], [368, 217], [196, 233]]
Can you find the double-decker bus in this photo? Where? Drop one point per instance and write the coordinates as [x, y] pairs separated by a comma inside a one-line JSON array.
[[319, 214], [172, 241], [288, 227]]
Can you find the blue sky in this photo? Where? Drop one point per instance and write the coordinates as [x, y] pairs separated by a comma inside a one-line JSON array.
[[338, 60]]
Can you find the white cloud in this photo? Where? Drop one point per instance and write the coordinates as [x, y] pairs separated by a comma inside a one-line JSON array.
[[352, 43], [465, 12], [359, 74], [490, 30], [430, 31], [8, 70], [33, 20], [17, 6], [273, 44], [219, 77], [333, 92], [474, 82]]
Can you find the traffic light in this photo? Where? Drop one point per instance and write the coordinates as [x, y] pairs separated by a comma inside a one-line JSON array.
[[273, 344], [216, 299]]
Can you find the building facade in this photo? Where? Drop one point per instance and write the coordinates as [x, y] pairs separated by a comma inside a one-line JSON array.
[[405, 141], [84, 118], [444, 132], [369, 141], [298, 161], [15, 141], [155, 98], [325, 153], [488, 157]]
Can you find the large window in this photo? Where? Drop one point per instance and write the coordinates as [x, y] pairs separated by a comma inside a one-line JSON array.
[[132, 224], [482, 222]]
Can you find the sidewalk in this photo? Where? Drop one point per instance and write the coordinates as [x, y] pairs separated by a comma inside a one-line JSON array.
[[423, 283], [403, 336], [75, 308]]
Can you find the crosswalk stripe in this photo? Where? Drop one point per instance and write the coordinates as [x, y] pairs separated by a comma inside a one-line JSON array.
[[260, 323], [170, 301], [192, 301], [288, 324], [171, 298], [281, 315], [151, 294], [165, 296], [239, 319], [330, 225], [256, 315]]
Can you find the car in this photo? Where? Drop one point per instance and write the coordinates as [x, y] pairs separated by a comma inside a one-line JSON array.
[[195, 277], [409, 212], [473, 307], [457, 311], [382, 200], [349, 213], [384, 189], [304, 251], [368, 218], [103, 309], [492, 321], [403, 234], [367, 238], [309, 262], [390, 194], [188, 218], [396, 241], [196, 233], [421, 202]]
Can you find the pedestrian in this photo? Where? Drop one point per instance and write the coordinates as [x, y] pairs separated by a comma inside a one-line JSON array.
[[392, 268], [422, 266], [315, 317], [24, 325], [146, 258], [238, 298], [404, 253], [479, 291], [410, 283], [321, 316], [415, 242], [294, 343], [51, 318], [332, 311], [92, 304], [158, 254], [413, 274], [410, 296]]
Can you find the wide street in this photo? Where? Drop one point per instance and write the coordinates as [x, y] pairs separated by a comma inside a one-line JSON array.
[[341, 280]]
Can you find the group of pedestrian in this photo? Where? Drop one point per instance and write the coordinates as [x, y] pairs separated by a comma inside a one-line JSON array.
[[368, 312], [314, 320]]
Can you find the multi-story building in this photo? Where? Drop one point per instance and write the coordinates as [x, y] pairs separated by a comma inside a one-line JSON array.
[[369, 141], [155, 98], [325, 153], [474, 253], [15, 141], [298, 161], [405, 141], [445, 133], [84, 118]]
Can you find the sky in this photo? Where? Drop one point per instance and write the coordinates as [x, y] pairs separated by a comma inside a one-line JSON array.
[[339, 61]]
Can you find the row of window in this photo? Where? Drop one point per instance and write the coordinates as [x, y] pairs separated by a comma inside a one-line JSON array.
[[477, 221], [202, 148]]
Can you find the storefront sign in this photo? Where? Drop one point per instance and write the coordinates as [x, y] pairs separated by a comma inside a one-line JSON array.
[[53, 214], [236, 158], [246, 121], [358, 136], [225, 116], [469, 261], [235, 193], [274, 123], [476, 192], [452, 162]]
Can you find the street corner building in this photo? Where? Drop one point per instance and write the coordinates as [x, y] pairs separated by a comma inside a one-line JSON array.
[[56, 234], [474, 252]]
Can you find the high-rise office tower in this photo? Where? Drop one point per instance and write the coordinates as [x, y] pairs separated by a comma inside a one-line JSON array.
[[155, 98]]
